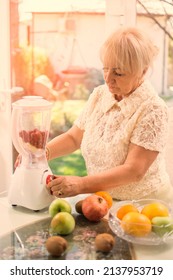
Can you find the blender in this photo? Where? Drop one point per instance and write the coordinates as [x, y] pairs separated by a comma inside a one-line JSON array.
[[31, 117]]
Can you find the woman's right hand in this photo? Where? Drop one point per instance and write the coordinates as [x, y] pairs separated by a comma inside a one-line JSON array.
[[18, 161]]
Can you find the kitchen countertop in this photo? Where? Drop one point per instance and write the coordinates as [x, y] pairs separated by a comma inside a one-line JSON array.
[[18, 217]]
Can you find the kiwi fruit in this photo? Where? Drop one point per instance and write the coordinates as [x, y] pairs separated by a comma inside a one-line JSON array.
[[78, 207], [104, 242], [56, 245]]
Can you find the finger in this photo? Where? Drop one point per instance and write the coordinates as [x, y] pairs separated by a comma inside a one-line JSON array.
[[59, 193], [18, 161], [55, 188], [49, 190], [57, 181]]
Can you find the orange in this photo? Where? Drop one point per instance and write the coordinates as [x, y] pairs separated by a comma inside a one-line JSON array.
[[155, 209], [136, 224], [126, 208], [106, 196]]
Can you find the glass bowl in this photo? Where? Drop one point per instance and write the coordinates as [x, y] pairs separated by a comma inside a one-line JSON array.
[[150, 239]]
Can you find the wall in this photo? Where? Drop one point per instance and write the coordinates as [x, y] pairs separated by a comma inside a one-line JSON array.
[[50, 34], [120, 13], [90, 32], [158, 75]]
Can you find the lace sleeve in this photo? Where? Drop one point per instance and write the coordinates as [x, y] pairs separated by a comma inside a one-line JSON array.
[[152, 128]]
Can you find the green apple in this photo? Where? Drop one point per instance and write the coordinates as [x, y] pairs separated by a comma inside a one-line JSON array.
[[59, 205], [62, 223], [162, 225]]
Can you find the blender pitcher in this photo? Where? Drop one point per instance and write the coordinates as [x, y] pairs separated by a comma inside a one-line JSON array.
[[30, 130]]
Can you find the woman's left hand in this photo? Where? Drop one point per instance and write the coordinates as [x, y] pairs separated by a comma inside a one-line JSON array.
[[65, 186]]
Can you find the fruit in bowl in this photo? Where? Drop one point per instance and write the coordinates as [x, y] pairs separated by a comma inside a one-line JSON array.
[[155, 209], [146, 221], [136, 224], [123, 210], [162, 225]]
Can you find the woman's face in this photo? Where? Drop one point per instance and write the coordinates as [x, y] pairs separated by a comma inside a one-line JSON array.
[[120, 84]]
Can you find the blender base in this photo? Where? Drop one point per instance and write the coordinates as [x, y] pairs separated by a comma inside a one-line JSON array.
[[28, 189]]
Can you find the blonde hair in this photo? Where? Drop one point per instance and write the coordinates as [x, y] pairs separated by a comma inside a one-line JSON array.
[[129, 50]]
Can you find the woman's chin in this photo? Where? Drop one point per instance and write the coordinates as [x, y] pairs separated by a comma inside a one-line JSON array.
[[113, 90]]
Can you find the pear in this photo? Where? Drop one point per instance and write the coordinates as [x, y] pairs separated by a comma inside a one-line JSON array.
[[162, 225]]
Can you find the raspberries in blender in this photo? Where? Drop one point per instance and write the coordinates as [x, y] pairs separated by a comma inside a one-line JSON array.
[[34, 137]]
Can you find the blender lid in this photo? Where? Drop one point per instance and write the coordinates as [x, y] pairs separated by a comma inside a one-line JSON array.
[[32, 101]]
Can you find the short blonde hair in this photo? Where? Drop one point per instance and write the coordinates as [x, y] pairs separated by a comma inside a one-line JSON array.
[[129, 50]]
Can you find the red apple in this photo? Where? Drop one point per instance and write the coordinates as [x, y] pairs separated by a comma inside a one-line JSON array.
[[49, 178], [94, 207]]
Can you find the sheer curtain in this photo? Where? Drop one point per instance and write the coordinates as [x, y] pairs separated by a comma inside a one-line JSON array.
[[5, 98]]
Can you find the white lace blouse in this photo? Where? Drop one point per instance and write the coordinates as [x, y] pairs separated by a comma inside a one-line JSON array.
[[110, 126]]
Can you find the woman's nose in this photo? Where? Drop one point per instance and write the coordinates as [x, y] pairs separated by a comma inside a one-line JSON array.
[[109, 77]]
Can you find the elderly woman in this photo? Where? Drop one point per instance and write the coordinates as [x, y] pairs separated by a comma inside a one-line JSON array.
[[122, 130]]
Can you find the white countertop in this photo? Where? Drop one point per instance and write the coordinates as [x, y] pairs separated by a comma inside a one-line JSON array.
[[15, 217]]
